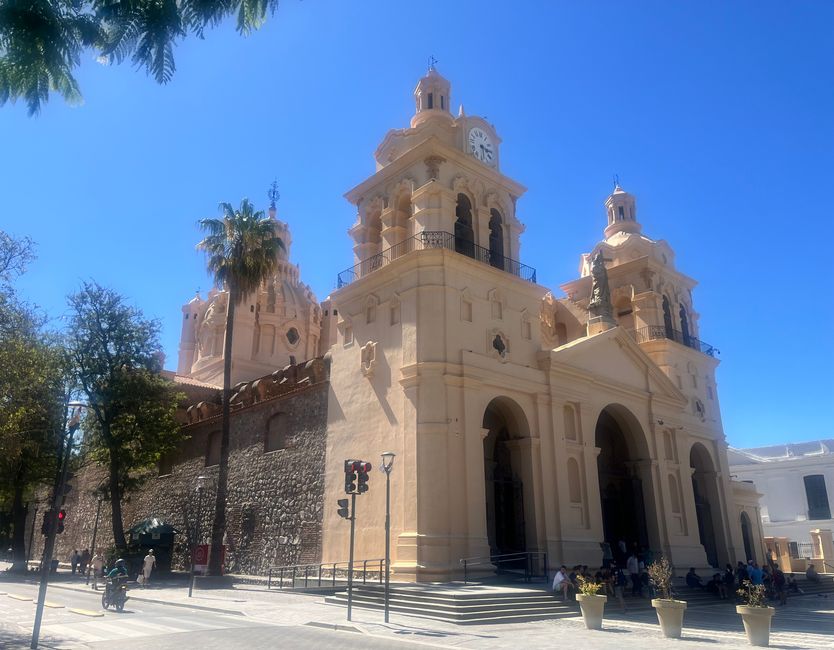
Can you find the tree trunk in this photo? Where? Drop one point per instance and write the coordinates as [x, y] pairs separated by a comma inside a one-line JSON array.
[[115, 498], [218, 529], [19, 512]]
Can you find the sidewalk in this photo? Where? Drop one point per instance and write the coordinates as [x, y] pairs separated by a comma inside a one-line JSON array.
[[806, 623]]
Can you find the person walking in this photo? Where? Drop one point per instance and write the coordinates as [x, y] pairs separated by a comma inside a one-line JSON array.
[[633, 567], [84, 561], [97, 564], [75, 558], [148, 565]]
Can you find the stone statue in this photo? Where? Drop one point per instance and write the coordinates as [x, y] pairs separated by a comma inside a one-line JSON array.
[[600, 303]]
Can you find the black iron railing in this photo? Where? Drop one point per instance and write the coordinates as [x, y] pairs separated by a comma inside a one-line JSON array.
[[437, 239], [657, 332], [324, 574], [531, 564]]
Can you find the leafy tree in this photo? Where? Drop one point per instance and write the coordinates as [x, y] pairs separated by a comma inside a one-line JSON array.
[[41, 41], [116, 354], [242, 252], [32, 405]]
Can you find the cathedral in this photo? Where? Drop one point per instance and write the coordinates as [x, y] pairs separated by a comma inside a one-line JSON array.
[[567, 423]]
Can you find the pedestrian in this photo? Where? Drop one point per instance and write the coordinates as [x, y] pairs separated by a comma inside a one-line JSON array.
[[148, 565], [755, 574], [811, 574], [561, 582], [98, 568], [84, 561], [693, 580], [729, 579], [633, 567], [780, 585], [74, 560], [620, 582]]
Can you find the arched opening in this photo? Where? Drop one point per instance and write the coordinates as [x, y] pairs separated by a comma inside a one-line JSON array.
[[496, 239], [747, 537], [624, 483], [464, 235], [684, 326], [667, 319], [503, 473], [707, 507]]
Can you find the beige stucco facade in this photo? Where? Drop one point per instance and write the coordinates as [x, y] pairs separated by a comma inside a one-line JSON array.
[[519, 423], [534, 442]]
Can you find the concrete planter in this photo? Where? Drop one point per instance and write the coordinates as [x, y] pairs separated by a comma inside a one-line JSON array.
[[756, 623], [592, 608], [670, 616]]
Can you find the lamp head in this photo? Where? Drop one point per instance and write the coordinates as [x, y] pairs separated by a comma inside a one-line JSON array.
[[388, 460], [201, 482]]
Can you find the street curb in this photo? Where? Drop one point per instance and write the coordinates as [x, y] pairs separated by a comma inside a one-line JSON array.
[[335, 626], [141, 599]]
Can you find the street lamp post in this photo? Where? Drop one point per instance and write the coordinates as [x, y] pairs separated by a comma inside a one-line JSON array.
[[52, 514], [387, 466], [199, 489], [31, 536], [95, 533]]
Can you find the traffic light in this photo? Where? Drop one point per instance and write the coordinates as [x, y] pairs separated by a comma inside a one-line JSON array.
[[343, 510], [62, 514], [48, 518], [362, 469], [350, 477]]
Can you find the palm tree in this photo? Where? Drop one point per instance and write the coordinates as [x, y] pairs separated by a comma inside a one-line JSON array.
[[242, 252]]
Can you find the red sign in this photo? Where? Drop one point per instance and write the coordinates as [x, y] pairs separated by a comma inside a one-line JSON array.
[[201, 554]]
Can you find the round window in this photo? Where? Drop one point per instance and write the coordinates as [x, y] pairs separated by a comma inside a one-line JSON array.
[[292, 336]]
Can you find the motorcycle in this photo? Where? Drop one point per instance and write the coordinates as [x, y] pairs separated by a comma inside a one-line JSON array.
[[115, 593]]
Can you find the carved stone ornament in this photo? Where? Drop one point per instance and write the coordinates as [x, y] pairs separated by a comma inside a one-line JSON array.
[[433, 166], [498, 345], [368, 358]]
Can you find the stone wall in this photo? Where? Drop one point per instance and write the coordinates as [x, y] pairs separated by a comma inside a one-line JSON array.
[[274, 507]]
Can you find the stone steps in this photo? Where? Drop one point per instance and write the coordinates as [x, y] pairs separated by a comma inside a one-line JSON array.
[[462, 605]]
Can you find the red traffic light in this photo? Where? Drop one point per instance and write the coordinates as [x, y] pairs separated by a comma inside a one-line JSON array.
[[361, 466], [62, 514]]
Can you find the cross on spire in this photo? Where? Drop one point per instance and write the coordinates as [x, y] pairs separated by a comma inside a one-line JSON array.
[[273, 194], [616, 180], [432, 61]]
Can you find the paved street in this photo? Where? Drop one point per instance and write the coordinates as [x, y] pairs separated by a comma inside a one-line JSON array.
[[249, 617]]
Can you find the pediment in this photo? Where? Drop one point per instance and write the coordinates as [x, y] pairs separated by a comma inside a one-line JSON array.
[[613, 356]]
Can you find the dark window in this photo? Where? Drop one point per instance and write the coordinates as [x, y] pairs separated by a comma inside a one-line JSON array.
[[292, 336], [431, 100], [496, 239], [818, 507], [685, 326], [620, 210], [667, 319], [276, 433], [442, 102], [213, 449], [464, 235]]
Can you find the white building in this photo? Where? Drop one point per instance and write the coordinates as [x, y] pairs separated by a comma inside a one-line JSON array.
[[796, 481]]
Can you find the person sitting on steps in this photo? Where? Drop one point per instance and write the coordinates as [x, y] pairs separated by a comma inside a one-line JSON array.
[[561, 582]]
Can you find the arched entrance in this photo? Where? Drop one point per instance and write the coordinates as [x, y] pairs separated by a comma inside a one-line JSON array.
[[504, 476], [707, 505], [624, 487], [747, 537]]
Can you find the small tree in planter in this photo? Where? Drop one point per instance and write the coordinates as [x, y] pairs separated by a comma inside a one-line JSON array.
[[591, 603], [755, 613], [669, 611]]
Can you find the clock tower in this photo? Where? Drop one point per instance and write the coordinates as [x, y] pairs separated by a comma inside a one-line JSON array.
[[435, 319]]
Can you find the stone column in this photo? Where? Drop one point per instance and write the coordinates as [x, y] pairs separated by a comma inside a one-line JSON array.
[[821, 538]]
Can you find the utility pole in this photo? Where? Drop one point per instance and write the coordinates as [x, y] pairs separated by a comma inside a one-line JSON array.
[[93, 543], [31, 537], [350, 560], [49, 545]]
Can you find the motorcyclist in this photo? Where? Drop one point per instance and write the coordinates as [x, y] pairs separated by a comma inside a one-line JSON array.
[[116, 575]]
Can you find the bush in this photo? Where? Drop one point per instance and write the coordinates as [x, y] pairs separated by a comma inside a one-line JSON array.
[[660, 572], [753, 595], [587, 586]]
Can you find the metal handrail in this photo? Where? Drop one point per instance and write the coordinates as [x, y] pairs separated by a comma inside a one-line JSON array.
[[659, 332], [505, 558], [316, 572], [437, 239]]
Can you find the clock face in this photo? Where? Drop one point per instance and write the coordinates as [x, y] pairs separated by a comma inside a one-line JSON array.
[[481, 146]]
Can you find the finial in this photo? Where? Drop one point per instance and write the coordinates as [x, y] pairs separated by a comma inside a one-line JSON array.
[[432, 61], [273, 194], [461, 112]]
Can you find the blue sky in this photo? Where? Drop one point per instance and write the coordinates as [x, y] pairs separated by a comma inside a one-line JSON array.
[[719, 116]]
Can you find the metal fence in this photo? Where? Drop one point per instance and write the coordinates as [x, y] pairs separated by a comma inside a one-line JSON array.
[[658, 332], [437, 239]]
